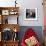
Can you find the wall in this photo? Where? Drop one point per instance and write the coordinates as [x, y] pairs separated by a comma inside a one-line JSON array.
[[26, 4], [7, 3], [31, 4]]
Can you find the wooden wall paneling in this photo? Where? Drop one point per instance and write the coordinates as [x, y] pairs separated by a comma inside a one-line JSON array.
[[44, 8]]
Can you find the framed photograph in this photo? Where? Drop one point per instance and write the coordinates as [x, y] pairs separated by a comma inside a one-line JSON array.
[[31, 14], [5, 12]]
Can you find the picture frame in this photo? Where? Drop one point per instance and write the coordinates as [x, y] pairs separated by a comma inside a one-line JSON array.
[[31, 14], [5, 12]]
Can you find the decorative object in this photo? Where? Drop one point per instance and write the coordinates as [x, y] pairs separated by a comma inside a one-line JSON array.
[[15, 3], [5, 12], [31, 41], [13, 12], [7, 34], [15, 37], [31, 14], [6, 21]]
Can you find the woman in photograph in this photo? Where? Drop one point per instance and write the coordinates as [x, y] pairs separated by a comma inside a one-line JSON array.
[[30, 13]]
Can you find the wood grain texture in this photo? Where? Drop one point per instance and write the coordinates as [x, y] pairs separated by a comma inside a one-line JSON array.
[[44, 8], [10, 43], [11, 26]]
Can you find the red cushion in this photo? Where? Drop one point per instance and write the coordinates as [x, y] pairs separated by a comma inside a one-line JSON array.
[[29, 33]]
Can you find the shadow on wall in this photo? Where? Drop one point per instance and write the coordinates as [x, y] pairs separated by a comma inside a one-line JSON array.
[[37, 29]]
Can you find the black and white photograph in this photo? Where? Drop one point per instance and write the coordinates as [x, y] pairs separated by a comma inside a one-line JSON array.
[[31, 14]]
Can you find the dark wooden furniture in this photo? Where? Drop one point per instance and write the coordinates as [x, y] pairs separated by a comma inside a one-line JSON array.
[[8, 11], [4, 13], [0, 43], [10, 43]]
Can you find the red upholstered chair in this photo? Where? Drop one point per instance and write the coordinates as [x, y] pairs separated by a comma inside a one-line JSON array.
[[29, 33]]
